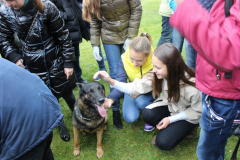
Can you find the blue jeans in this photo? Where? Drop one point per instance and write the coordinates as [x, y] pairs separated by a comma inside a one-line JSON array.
[[113, 53], [191, 55], [101, 64], [166, 35], [77, 68], [132, 106], [217, 125], [177, 40]]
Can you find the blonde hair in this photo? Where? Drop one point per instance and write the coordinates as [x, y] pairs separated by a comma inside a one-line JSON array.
[[142, 44], [91, 7]]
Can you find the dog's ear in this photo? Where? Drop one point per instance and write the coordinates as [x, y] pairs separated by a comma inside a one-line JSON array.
[[80, 85]]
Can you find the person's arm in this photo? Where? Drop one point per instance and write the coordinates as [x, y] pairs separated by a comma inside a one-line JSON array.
[[59, 4], [121, 76], [135, 18], [138, 86], [194, 111], [178, 117], [8, 49], [61, 33], [95, 31], [213, 36], [164, 123]]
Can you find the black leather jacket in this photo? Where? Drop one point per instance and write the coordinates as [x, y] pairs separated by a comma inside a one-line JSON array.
[[48, 47], [72, 15]]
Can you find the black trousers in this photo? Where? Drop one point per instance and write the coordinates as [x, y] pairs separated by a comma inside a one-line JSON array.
[[171, 136], [69, 99], [41, 152]]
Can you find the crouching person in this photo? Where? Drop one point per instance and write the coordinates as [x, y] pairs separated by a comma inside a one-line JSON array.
[[177, 111]]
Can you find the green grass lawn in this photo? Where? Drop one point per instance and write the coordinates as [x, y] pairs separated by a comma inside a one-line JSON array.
[[131, 142]]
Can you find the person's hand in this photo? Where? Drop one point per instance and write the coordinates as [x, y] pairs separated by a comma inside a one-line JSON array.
[[19, 63], [134, 96], [126, 44], [104, 76], [163, 123], [108, 103], [96, 53], [68, 72]]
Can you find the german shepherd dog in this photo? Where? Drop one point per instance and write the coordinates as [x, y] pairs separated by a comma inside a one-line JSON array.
[[89, 115]]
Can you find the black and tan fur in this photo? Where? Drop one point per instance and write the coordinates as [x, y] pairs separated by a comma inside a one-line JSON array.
[[88, 119]]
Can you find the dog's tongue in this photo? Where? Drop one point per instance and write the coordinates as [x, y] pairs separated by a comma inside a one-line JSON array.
[[102, 110]]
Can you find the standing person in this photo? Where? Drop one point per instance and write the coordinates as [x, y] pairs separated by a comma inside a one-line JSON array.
[[46, 46], [191, 53], [134, 63], [216, 41], [72, 15], [165, 11], [177, 111], [117, 23], [100, 60], [28, 114]]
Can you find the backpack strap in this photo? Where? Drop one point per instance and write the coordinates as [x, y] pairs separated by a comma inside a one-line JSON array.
[[227, 6]]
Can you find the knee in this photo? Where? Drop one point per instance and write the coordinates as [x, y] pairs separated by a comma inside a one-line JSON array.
[[147, 115], [130, 119], [142, 103], [163, 144]]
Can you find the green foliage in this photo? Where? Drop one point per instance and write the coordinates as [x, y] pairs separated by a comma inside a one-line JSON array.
[[131, 142]]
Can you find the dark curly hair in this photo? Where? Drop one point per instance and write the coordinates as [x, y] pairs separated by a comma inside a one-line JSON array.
[[177, 71]]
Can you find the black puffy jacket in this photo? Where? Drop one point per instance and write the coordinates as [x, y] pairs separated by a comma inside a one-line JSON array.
[[72, 15], [48, 47]]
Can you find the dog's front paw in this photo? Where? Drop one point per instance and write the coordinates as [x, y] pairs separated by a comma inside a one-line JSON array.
[[99, 153], [76, 152]]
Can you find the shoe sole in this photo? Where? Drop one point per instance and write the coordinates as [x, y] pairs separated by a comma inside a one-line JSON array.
[[147, 130]]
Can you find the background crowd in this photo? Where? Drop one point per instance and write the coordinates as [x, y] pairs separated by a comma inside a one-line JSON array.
[[50, 49]]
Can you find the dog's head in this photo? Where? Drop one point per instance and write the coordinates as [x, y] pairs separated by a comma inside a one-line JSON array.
[[93, 94]]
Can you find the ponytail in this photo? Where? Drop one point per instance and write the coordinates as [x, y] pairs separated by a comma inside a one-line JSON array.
[[142, 43]]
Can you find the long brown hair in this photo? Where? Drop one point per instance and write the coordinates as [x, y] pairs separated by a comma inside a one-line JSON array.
[[142, 44], [91, 8], [39, 4], [176, 68]]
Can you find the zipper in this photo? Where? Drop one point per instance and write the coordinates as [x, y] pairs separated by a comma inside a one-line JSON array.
[[141, 70]]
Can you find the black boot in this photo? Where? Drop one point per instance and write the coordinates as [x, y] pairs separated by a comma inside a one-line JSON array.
[[117, 120], [63, 131]]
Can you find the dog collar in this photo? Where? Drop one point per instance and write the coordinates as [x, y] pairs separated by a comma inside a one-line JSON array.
[[79, 114]]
